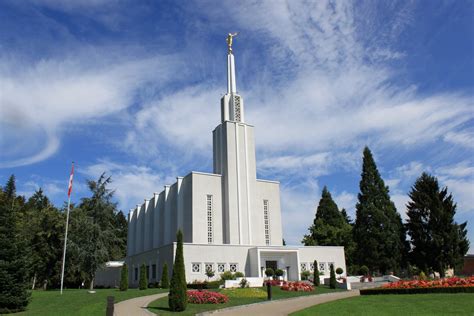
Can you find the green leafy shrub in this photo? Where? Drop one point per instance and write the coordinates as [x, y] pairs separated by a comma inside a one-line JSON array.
[[305, 275], [269, 272], [339, 271], [364, 270], [210, 273], [279, 272], [243, 283], [227, 275], [239, 274], [177, 298], [422, 276], [124, 278], [332, 277], [165, 283], [142, 284]]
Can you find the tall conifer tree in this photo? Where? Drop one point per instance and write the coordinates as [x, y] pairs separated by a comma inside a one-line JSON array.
[[378, 230], [14, 295], [177, 298], [330, 227], [437, 241]]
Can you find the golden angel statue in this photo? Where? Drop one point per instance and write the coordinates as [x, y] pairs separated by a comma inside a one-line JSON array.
[[229, 40]]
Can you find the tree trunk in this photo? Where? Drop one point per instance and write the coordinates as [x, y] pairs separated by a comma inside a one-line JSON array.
[[45, 285], [34, 282], [91, 286]]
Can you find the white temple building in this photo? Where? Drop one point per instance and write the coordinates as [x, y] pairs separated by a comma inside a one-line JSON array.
[[231, 221]]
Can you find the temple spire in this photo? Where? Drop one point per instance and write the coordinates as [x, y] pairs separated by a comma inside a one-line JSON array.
[[231, 86]]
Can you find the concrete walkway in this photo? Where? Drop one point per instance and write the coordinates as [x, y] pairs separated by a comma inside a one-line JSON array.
[[136, 306], [283, 307]]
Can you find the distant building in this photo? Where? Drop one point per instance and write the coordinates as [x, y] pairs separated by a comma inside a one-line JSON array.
[[468, 267]]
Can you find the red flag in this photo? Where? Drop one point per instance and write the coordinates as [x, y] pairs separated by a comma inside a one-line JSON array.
[[70, 181]]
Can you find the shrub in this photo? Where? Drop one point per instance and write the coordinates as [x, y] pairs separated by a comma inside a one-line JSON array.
[[279, 272], [269, 272], [124, 278], [239, 274], [332, 277], [297, 286], [227, 275], [417, 290], [151, 285], [142, 284], [206, 297], [422, 276], [177, 298], [215, 284], [210, 272], [364, 270], [305, 275], [243, 283], [316, 280], [165, 283], [339, 271]]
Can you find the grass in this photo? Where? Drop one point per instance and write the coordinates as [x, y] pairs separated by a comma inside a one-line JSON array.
[[411, 304], [78, 302], [160, 306]]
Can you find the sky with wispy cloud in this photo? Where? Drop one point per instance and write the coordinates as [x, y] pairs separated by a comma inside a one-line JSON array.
[[132, 88]]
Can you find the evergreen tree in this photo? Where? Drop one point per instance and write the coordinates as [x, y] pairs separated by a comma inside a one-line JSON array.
[[142, 283], [346, 217], [378, 231], [14, 294], [316, 279], [42, 226], [177, 299], [93, 230], [330, 227], [165, 283], [437, 241], [124, 278], [332, 277]]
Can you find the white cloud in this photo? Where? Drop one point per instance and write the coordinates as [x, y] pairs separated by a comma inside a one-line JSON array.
[[347, 201], [465, 138], [132, 183], [298, 205], [40, 101], [412, 170]]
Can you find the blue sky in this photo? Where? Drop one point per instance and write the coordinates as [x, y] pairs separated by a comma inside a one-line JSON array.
[[132, 88]]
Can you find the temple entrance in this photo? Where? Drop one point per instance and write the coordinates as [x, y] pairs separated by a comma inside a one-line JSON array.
[[271, 264]]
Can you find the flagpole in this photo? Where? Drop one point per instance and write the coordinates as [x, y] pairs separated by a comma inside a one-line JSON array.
[[67, 224]]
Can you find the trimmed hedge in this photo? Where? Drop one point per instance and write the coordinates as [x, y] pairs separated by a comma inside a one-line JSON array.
[[426, 290], [205, 285]]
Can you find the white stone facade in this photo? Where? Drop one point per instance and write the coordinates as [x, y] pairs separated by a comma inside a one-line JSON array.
[[230, 220]]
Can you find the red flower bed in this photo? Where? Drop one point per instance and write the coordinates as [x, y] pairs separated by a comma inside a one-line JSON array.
[[447, 282], [297, 286], [206, 297], [273, 282]]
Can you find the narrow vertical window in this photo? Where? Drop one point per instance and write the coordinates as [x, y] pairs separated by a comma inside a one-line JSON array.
[[266, 222], [210, 237]]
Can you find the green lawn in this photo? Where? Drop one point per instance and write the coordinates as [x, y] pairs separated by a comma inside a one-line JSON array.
[[78, 302], [411, 304], [160, 306]]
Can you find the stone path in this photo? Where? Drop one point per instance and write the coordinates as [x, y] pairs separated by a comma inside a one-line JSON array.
[[283, 307], [136, 306]]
